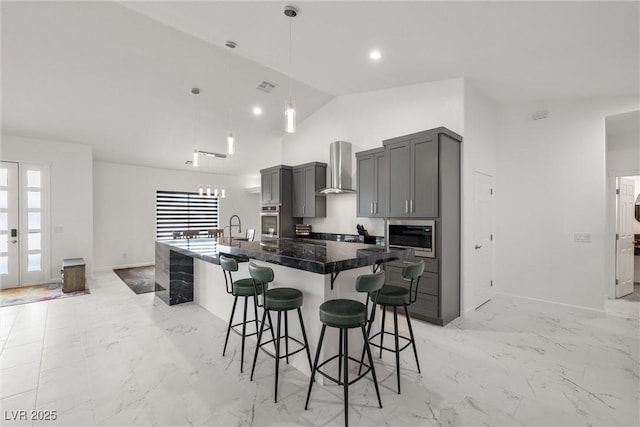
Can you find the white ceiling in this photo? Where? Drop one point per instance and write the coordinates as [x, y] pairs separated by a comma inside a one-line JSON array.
[[118, 76]]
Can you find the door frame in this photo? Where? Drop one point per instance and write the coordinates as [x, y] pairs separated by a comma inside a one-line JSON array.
[[610, 286], [492, 178]]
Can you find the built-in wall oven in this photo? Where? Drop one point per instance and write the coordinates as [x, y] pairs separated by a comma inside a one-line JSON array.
[[419, 235], [270, 221]]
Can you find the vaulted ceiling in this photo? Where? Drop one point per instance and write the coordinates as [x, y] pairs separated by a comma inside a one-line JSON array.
[[118, 75]]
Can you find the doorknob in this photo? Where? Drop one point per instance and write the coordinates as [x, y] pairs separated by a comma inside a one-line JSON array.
[[14, 241], [478, 247]]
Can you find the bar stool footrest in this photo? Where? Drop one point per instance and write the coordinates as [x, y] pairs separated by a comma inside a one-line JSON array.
[[239, 332], [393, 350], [340, 382], [282, 356]]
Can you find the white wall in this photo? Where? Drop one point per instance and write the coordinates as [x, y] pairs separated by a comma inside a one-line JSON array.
[[125, 203], [478, 155], [623, 152], [365, 120], [71, 198], [551, 185]]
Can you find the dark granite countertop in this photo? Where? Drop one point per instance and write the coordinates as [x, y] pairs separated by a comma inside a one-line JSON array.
[[317, 256]]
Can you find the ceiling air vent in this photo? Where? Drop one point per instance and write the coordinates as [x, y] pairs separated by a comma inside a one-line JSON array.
[[266, 86]]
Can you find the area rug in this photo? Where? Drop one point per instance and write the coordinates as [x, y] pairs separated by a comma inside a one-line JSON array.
[[35, 293], [139, 279]]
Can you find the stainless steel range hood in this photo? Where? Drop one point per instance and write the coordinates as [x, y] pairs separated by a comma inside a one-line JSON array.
[[339, 168]]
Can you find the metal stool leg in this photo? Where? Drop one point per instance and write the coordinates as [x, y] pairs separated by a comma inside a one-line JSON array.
[[255, 356], [340, 342], [315, 365], [370, 323], [345, 333], [244, 332], [304, 337], [413, 341], [373, 371], [255, 312], [277, 355], [233, 310], [286, 334], [384, 315], [395, 333]]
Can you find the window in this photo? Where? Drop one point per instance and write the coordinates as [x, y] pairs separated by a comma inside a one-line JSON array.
[[177, 211], [34, 222]]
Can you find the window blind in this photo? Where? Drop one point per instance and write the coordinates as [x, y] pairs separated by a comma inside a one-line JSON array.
[[179, 212]]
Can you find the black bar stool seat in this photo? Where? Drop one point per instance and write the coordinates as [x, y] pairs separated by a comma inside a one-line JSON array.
[[346, 314], [246, 288], [343, 313], [280, 300], [393, 295]]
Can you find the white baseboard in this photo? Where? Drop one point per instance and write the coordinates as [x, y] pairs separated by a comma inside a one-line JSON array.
[[581, 307]]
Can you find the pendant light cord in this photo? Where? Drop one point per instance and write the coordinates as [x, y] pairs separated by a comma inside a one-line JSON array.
[[290, 67], [230, 88]]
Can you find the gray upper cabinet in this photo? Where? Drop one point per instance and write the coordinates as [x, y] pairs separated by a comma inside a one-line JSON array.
[[371, 176], [308, 180], [271, 184], [413, 175]]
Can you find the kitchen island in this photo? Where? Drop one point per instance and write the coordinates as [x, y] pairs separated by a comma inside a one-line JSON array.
[[188, 270]]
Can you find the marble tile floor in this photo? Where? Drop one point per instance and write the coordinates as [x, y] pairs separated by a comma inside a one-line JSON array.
[[115, 358]]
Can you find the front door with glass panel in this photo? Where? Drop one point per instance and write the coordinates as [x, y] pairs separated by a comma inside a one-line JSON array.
[[23, 224], [9, 222]]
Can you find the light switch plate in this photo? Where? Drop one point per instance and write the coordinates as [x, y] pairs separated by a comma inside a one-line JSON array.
[[582, 237]]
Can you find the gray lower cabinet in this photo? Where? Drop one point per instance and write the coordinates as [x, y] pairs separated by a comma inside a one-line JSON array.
[[413, 175], [430, 302], [308, 180], [371, 176]]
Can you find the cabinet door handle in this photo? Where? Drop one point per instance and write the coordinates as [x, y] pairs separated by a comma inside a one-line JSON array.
[[303, 210], [375, 207], [478, 247], [406, 206], [411, 205], [371, 207]]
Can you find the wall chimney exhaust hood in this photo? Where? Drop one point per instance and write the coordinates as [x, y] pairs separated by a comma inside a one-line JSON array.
[[339, 168]]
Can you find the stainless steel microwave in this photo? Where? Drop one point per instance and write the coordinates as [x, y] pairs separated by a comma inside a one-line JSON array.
[[419, 235]]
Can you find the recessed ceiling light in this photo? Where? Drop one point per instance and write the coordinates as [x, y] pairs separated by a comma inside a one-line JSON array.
[[257, 111], [375, 55]]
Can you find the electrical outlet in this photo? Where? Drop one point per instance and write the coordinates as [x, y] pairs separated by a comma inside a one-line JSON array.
[[582, 237]]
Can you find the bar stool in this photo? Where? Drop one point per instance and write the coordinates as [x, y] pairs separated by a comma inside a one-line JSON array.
[[240, 288], [279, 300], [346, 314], [397, 296]]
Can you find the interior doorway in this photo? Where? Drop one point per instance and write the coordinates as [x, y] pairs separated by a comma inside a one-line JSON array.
[[623, 189], [627, 228]]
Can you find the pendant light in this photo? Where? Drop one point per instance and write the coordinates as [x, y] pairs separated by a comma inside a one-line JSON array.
[[195, 91], [202, 190], [231, 139], [290, 109]]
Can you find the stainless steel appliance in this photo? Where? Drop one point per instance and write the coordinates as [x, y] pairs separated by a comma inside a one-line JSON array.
[[270, 221], [419, 235]]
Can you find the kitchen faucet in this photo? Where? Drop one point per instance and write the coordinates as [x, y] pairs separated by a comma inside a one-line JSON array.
[[231, 225]]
